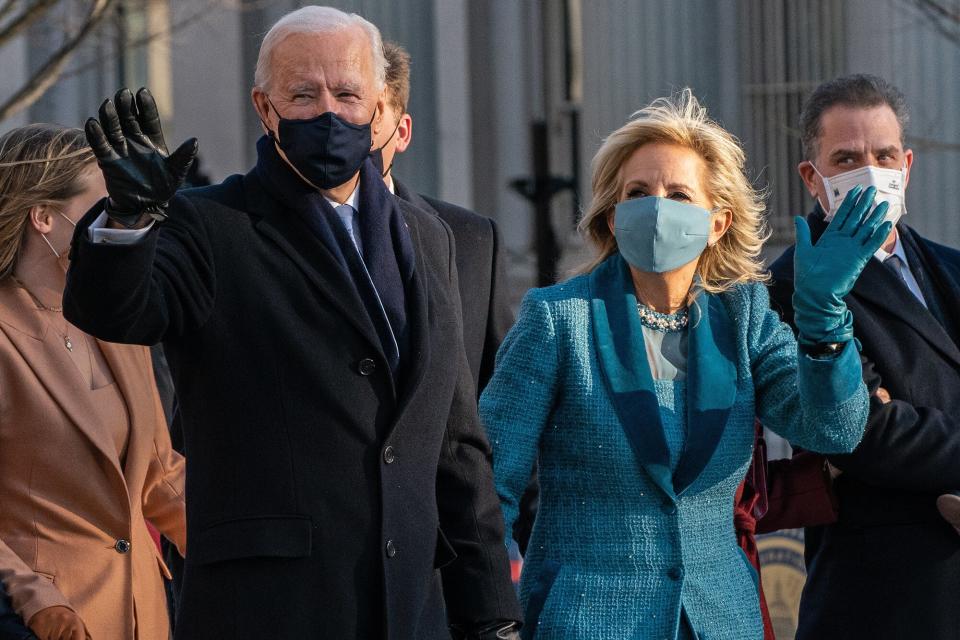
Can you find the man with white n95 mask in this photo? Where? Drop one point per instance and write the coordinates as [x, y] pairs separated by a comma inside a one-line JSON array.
[[890, 566]]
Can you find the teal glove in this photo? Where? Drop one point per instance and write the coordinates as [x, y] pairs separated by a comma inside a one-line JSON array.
[[826, 272]]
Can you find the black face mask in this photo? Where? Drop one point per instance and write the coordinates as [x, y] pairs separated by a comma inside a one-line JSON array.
[[377, 154], [326, 150]]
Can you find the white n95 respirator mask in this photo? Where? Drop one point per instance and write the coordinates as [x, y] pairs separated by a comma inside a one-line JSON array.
[[890, 185]]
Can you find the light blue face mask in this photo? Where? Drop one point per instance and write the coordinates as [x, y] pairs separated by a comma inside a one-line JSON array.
[[658, 234]]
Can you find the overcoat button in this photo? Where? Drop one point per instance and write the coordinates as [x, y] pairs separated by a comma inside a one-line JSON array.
[[122, 546], [388, 455], [391, 549], [675, 573], [366, 366], [668, 508]]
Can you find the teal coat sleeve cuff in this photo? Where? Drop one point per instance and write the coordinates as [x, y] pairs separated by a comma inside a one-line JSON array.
[[830, 381]]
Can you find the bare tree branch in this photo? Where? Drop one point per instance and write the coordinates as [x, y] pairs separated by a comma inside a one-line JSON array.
[[236, 5], [6, 8], [27, 17], [150, 37], [50, 72]]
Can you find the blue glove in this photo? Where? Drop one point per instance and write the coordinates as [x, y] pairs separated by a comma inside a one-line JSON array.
[[826, 272]]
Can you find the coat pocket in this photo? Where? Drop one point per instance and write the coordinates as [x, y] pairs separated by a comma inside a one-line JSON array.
[[287, 536], [49, 576], [445, 553], [538, 598]]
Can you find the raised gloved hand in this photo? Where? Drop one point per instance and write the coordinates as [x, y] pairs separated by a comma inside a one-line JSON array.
[[141, 177], [499, 630], [826, 272]]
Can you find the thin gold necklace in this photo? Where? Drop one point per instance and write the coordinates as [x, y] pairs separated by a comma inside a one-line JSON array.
[[67, 342]]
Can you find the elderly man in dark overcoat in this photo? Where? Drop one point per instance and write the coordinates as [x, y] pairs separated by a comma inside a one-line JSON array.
[[336, 465]]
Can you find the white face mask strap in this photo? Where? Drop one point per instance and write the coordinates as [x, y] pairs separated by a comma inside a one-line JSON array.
[[64, 216], [826, 188], [55, 252]]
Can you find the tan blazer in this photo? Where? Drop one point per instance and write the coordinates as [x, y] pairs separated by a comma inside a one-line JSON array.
[[72, 529]]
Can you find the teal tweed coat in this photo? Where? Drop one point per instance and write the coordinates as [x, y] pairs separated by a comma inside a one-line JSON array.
[[624, 545]]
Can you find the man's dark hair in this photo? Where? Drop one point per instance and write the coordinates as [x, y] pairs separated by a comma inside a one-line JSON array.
[[859, 90]]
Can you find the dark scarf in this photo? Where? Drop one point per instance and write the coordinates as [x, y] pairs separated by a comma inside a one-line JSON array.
[[388, 250]]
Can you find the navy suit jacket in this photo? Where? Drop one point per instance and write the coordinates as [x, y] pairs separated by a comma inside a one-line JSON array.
[[890, 566]]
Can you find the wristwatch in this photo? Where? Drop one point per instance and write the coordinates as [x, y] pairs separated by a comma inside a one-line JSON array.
[[824, 349]]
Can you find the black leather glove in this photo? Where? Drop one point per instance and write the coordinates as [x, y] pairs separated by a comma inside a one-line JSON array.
[[499, 630], [141, 177]]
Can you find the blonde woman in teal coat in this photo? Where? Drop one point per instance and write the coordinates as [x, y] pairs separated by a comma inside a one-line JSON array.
[[636, 385]]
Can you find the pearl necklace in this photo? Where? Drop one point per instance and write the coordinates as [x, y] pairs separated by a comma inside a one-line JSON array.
[[663, 322]]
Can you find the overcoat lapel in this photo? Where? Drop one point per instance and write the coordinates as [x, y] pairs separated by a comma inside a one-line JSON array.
[[43, 351], [711, 386], [881, 287], [405, 193], [312, 257], [618, 338], [418, 318]]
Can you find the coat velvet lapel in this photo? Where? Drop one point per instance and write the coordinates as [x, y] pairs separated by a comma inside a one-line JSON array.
[[618, 338], [711, 376], [711, 386]]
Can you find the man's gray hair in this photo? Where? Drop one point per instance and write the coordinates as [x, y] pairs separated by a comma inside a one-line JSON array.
[[314, 19]]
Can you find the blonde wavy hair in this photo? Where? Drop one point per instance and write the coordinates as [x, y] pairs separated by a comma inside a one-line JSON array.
[[40, 164], [683, 121]]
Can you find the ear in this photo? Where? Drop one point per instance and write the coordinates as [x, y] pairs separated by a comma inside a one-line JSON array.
[[611, 220], [908, 160], [379, 109], [404, 133], [810, 178], [40, 218], [719, 224], [262, 106]]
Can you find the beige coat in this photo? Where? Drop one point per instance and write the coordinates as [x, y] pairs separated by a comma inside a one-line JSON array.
[[72, 529]]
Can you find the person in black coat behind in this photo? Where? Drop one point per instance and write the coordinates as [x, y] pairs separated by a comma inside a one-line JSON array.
[[336, 464], [11, 625], [890, 566], [483, 288]]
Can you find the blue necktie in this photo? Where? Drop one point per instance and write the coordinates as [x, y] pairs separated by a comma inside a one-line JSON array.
[[348, 217]]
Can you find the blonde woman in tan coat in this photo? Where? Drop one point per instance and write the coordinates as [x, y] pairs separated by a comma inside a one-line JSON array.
[[85, 457]]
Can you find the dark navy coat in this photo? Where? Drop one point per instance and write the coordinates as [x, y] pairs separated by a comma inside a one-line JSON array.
[[323, 497], [890, 566]]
